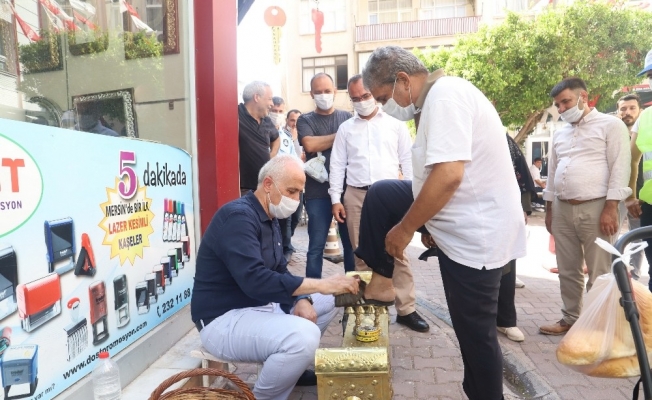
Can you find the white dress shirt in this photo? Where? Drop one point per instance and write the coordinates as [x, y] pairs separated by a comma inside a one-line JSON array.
[[590, 160], [369, 151], [482, 225], [536, 174]]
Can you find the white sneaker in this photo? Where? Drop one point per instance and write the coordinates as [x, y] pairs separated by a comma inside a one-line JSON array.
[[512, 333], [519, 284]]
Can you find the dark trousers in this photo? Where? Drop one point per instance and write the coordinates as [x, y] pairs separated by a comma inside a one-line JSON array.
[[471, 294], [384, 205], [506, 308], [472, 297], [288, 225], [646, 220]]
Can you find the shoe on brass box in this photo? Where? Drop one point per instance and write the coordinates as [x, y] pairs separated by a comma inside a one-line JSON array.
[[359, 369]]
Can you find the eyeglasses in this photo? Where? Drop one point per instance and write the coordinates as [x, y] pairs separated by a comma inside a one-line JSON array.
[[364, 97]]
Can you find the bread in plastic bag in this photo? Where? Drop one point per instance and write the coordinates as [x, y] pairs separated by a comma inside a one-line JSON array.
[[600, 343], [316, 168]]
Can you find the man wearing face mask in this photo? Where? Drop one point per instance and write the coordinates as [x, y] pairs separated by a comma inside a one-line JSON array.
[[588, 174], [245, 303], [258, 138], [316, 133], [88, 120], [464, 191], [370, 147]]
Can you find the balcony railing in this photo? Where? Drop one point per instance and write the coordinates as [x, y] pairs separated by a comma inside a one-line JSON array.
[[416, 29]]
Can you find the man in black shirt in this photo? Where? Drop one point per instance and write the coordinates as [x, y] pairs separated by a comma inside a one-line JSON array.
[[245, 303], [316, 133], [257, 136]]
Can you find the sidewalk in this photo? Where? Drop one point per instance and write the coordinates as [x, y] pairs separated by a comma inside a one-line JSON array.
[[429, 365]]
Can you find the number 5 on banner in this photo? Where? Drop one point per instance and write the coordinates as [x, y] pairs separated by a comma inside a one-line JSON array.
[[127, 188]]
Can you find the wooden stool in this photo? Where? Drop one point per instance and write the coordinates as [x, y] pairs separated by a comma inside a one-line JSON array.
[[210, 361]]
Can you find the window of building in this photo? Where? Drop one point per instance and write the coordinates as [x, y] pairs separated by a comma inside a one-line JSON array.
[[387, 11], [336, 67], [334, 16], [434, 9], [154, 9], [512, 5]]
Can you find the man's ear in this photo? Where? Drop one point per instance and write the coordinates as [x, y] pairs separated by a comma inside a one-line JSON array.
[[312, 95]]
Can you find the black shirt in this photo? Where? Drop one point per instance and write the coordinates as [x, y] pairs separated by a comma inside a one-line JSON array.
[[240, 262], [313, 124], [253, 140]]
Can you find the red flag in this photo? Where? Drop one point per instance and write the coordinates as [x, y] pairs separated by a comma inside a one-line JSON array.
[[83, 20], [58, 12], [131, 9], [27, 30]]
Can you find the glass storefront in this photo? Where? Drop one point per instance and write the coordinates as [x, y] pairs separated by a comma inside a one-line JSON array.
[[112, 67]]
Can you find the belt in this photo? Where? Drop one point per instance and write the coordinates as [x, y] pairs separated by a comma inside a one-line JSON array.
[[201, 323], [574, 202], [365, 188]]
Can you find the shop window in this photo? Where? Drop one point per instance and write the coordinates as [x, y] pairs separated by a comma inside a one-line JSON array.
[[334, 16], [387, 11], [154, 10], [336, 67], [435, 9]]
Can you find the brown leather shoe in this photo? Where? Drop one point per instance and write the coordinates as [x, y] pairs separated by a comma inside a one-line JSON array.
[[558, 328]]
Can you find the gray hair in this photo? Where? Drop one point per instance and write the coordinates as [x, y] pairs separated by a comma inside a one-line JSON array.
[[252, 89], [278, 101], [277, 167], [385, 62]]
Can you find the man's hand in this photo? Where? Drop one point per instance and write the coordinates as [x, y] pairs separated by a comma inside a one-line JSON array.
[[337, 284], [609, 218], [397, 240], [339, 213], [304, 309], [634, 207], [428, 241], [549, 221]]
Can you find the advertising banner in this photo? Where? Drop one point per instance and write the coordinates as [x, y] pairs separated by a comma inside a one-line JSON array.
[[96, 250]]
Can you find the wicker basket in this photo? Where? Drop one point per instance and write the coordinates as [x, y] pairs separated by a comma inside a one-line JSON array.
[[202, 393]]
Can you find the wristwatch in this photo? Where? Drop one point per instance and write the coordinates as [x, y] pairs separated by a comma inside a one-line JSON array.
[[304, 297]]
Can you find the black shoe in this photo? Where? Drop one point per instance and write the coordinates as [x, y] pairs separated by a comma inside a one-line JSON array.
[[308, 378], [413, 321]]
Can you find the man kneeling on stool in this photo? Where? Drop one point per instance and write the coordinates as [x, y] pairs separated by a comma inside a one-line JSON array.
[[245, 303]]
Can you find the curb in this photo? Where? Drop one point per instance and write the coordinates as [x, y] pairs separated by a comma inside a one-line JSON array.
[[519, 370]]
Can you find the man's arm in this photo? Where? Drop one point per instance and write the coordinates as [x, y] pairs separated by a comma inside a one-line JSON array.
[[549, 191], [405, 150], [313, 144], [437, 190], [334, 284], [338, 163], [633, 169], [275, 145], [619, 159]]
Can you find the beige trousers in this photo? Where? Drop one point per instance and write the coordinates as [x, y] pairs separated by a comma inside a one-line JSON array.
[[402, 279], [575, 228]]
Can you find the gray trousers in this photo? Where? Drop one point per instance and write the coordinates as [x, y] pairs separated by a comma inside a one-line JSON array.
[[575, 228], [284, 343]]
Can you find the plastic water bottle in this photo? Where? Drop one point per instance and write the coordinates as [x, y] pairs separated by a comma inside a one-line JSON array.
[[106, 379]]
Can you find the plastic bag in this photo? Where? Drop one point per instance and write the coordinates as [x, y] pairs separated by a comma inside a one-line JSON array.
[[316, 168], [600, 343]]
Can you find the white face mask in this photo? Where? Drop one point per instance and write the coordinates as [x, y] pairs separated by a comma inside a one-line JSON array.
[[573, 114], [286, 207], [277, 118], [392, 108], [324, 101], [365, 107]]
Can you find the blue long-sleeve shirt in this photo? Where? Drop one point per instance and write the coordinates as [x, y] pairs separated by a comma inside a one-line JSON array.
[[240, 262]]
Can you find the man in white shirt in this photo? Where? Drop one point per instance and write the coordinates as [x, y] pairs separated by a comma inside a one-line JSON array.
[[539, 185], [588, 176], [466, 194], [369, 147]]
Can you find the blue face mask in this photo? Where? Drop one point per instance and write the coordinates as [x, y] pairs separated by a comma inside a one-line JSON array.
[[392, 108]]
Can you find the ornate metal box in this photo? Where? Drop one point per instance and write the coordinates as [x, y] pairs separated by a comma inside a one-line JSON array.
[[358, 370]]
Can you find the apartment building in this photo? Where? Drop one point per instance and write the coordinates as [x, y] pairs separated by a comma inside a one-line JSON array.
[[352, 29]]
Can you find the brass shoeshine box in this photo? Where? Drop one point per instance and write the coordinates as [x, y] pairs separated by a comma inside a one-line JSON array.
[[357, 370]]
